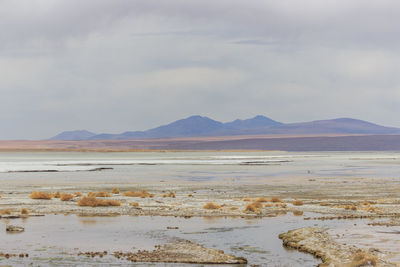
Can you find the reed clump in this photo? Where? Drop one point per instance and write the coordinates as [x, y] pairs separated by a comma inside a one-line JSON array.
[[40, 195], [142, 194], [24, 211], [276, 199], [363, 259], [261, 199], [78, 194], [298, 202], [170, 194], [95, 202], [98, 194], [66, 197], [211, 206], [254, 207], [5, 212], [115, 190], [56, 194]]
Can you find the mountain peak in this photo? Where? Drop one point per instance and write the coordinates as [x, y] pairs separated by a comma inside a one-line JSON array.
[[74, 135]]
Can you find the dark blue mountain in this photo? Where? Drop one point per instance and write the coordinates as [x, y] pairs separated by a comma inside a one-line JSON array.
[[196, 126]]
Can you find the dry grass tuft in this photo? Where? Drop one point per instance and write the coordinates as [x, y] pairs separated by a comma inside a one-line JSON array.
[[98, 194], [190, 195], [95, 202], [56, 194], [250, 207], [246, 199], [261, 199], [66, 197], [276, 199], [211, 206], [350, 207], [298, 213], [115, 190], [298, 202], [363, 259], [324, 203], [5, 212], [170, 194], [78, 194], [142, 194], [268, 205], [134, 204], [24, 211], [40, 195], [0, 196]]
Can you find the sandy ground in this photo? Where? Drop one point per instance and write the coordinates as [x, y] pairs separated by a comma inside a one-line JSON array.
[[332, 198]]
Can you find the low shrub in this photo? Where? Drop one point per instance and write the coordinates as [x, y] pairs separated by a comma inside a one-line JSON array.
[[142, 194], [40, 195], [24, 211], [211, 206], [5, 212], [95, 202], [66, 197], [98, 194], [134, 204], [276, 199], [298, 202], [115, 190]]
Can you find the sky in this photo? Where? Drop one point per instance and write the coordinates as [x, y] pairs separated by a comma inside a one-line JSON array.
[[111, 66]]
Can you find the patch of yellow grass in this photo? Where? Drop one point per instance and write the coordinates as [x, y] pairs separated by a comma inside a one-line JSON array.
[[40, 195], [298, 213], [298, 202], [142, 194], [95, 202], [78, 194], [66, 197], [261, 199], [211, 206], [246, 199], [363, 259], [250, 207], [115, 190], [24, 211], [5, 212], [276, 199], [170, 194], [98, 194], [56, 194], [134, 204], [350, 207]]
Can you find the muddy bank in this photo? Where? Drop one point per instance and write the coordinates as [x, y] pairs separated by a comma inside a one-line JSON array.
[[319, 243]]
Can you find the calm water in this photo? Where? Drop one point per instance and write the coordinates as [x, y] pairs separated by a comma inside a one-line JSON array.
[[243, 167]]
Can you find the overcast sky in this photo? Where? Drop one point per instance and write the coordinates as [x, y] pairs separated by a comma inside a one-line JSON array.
[[117, 65]]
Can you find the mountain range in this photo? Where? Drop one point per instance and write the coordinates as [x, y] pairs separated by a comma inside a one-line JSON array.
[[196, 126]]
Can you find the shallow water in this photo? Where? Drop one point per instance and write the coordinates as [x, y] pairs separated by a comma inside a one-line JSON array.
[[56, 239]]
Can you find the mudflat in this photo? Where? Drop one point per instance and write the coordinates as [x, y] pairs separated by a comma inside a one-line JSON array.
[[339, 188]]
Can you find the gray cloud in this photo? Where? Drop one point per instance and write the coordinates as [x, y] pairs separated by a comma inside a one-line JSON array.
[[112, 66]]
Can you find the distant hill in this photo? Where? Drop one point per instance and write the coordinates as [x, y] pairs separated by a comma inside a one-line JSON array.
[[197, 126], [74, 135]]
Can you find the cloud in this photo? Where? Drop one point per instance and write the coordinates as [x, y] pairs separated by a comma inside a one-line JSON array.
[[113, 66]]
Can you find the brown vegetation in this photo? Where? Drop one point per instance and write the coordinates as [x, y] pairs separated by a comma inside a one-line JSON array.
[[350, 207], [190, 195], [298, 202], [134, 204], [78, 194], [56, 194], [211, 206], [170, 194], [363, 259], [261, 199], [276, 199], [95, 202], [246, 199], [40, 195], [142, 194], [297, 213], [5, 212], [115, 190], [66, 197], [98, 194], [24, 211]]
